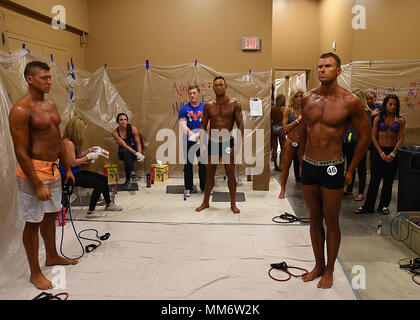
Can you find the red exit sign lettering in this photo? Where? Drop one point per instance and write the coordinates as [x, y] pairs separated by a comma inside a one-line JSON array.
[[251, 43]]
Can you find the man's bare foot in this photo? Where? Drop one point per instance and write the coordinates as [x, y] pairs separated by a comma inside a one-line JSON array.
[[315, 273], [42, 283], [326, 281], [281, 195], [202, 207], [235, 209], [59, 261]]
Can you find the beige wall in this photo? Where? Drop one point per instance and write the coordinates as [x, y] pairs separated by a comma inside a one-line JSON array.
[[76, 10], [171, 32], [335, 17], [303, 29], [295, 33], [392, 31], [41, 38]]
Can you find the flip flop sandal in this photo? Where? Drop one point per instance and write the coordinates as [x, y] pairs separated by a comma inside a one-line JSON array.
[[360, 210], [384, 211], [361, 199]]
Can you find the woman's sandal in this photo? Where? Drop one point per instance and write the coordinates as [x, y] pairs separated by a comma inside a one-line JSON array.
[[359, 198], [360, 210], [384, 211]]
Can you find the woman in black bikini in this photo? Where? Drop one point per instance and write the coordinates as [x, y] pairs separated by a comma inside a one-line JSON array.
[[388, 133]]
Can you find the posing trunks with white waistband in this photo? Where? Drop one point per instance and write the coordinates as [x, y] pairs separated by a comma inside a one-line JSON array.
[[328, 174]]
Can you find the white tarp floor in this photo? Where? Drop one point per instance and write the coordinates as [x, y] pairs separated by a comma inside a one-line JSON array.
[[155, 205], [201, 256]]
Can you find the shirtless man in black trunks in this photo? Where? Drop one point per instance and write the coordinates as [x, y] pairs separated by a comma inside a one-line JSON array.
[[327, 112], [222, 112]]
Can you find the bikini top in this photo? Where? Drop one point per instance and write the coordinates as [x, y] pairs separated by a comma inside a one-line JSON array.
[[394, 127], [292, 117]]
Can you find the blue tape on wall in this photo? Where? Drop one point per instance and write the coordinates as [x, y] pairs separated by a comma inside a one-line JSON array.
[[147, 64], [24, 47]]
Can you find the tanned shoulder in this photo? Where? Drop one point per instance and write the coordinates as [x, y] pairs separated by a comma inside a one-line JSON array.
[[22, 108]]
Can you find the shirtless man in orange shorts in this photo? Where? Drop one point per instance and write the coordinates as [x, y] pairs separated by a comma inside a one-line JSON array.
[[34, 125]]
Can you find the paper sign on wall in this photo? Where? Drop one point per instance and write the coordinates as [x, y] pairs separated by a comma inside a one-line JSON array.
[[255, 106]]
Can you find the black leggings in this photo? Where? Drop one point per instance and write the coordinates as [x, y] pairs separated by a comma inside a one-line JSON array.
[[380, 170], [128, 159], [99, 183], [348, 151]]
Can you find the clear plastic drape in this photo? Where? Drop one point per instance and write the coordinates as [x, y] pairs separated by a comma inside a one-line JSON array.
[[152, 97]]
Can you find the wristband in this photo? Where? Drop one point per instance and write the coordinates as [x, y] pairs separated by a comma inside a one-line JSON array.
[[297, 121], [382, 153], [392, 154]]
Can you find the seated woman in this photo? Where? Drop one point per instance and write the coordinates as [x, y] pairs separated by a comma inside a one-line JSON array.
[[129, 149], [291, 120], [73, 140], [388, 133]]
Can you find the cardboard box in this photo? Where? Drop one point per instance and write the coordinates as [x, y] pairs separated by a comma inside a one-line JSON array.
[[160, 173], [413, 240], [111, 171]]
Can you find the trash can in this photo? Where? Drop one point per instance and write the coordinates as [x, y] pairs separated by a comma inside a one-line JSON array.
[[409, 179]]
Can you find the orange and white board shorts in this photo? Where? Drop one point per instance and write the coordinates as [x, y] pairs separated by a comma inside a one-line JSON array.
[[30, 208]]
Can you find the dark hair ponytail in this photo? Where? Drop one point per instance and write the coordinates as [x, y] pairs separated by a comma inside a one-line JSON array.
[[129, 128], [129, 134]]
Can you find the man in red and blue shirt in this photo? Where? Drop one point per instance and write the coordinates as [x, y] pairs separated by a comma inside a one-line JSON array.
[[190, 117]]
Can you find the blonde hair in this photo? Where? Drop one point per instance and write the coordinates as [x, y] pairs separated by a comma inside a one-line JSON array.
[[74, 131], [293, 95], [362, 96], [370, 91]]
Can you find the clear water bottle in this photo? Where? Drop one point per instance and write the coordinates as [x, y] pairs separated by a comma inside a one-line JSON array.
[[379, 230]]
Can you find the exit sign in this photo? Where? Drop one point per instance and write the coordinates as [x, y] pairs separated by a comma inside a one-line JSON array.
[[251, 43]]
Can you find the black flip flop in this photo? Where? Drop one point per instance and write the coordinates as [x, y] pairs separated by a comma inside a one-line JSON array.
[[385, 211], [360, 210]]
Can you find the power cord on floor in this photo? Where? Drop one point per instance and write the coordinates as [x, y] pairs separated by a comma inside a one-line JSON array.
[[50, 296], [400, 216], [67, 191], [289, 218], [412, 267], [282, 266]]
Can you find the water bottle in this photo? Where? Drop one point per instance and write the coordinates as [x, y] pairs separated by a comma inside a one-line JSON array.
[[379, 231]]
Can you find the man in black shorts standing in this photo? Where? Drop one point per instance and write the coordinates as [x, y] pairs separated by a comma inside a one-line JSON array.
[[222, 113], [327, 112]]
